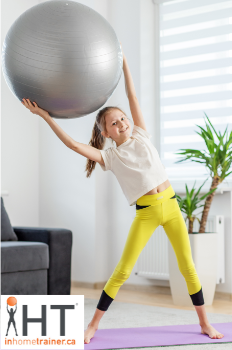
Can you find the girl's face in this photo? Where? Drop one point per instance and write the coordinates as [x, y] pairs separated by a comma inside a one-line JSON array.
[[117, 126]]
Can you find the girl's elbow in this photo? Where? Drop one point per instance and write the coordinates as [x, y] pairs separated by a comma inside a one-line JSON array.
[[73, 145], [73, 148]]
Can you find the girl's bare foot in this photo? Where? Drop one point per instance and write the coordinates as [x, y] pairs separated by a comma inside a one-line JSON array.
[[211, 332], [89, 333]]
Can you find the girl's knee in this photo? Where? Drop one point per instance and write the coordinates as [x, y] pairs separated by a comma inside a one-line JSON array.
[[188, 271], [121, 274]]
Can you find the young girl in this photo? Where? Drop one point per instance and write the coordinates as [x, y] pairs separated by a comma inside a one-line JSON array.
[[137, 166]]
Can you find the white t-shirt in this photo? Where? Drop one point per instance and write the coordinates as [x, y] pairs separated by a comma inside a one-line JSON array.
[[136, 164]]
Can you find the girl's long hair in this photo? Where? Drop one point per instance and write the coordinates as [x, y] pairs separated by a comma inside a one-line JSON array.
[[97, 139]]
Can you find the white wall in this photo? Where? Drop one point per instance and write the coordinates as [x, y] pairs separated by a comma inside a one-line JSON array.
[[20, 140], [66, 196]]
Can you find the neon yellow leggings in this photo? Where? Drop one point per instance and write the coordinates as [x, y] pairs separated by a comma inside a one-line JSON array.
[[161, 210]]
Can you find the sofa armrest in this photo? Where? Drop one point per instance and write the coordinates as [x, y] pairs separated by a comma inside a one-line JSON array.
[[60, 246]]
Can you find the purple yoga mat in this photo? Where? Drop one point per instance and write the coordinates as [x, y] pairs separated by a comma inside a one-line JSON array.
[[156, 336]]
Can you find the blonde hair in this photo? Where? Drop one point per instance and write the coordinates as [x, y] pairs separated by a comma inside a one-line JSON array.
[[97, 139]]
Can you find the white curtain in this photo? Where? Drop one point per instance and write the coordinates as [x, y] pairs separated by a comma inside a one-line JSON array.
[[195, 77]]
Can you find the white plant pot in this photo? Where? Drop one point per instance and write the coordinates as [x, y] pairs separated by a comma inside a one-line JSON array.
[[204, 253]]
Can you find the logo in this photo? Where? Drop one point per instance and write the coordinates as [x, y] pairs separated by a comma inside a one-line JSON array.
[[42, 322]]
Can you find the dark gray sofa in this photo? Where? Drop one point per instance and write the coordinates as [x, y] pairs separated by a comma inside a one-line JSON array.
[[34, 261]]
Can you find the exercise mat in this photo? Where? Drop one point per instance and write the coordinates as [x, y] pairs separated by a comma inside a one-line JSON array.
[[156, 336]]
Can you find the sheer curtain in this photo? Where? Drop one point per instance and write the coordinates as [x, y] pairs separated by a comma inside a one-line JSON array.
[[195, 77]]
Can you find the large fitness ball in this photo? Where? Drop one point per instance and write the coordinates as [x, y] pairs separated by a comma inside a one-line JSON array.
[[64, 56]]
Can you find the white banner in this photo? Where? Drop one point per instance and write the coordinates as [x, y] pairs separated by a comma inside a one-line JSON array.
[[42, 322]]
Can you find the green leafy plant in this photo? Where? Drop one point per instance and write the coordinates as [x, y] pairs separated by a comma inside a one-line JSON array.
[[190, 203], [217, 158]]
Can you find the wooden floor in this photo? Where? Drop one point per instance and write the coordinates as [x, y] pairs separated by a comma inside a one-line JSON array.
[[137, 297]]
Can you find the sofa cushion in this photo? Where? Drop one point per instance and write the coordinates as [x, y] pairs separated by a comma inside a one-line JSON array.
[[24, 256], [7, 232], [24, 283]]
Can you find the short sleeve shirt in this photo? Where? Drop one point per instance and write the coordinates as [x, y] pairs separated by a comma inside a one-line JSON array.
[[136, 165]]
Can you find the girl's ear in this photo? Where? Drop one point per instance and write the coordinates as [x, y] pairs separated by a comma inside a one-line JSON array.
[[105, 134]]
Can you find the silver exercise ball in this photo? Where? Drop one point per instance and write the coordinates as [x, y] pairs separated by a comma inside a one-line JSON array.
[[64, 56]]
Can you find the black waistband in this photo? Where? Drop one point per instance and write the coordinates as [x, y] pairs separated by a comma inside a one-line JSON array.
[[145, 206]]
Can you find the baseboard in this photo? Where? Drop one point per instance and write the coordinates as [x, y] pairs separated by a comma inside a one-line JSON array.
[[223, 296], [142, 288], [97, 285], [134, 287]]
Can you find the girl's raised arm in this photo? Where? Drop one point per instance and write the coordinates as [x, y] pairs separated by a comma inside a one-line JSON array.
[[85, 150], [131, 94]]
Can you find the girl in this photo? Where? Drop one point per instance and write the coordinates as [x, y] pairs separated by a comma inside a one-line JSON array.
[[137, 166]]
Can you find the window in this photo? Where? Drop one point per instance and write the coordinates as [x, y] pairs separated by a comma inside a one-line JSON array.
[[195, 77]]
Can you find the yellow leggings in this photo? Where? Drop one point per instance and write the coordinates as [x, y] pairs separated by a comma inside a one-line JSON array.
[[160, 209]]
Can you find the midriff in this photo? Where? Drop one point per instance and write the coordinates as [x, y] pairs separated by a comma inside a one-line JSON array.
[[159, 188]]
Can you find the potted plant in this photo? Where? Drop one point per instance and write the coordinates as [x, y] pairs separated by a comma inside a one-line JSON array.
[[217, 158]]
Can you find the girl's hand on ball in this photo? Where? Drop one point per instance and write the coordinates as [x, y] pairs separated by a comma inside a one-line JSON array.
[[33, 108]]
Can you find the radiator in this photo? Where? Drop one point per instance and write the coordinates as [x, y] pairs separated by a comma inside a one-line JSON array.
[[153, 261]]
